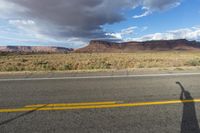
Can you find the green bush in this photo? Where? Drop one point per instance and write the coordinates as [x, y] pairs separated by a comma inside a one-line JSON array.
[[68, 66], [193, 62]]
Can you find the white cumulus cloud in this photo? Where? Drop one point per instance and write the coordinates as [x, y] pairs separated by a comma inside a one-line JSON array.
[[185, 33], [124, 32]]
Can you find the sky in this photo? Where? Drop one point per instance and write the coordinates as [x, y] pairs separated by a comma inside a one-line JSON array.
[[73, 23]]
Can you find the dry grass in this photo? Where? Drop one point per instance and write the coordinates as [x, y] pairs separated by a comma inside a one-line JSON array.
[[77, 61]]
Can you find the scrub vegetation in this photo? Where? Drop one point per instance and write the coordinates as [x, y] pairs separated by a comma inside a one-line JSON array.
[[96, 61]]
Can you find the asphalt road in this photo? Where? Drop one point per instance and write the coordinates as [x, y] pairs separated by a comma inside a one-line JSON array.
[[135, 104]]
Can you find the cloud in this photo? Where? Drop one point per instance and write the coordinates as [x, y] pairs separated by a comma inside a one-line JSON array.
[[150, 6], [186, 33], [66, 19], [124, 32], [160, 4], [7, 8], [146, 13], [72, 18], [29, 27]]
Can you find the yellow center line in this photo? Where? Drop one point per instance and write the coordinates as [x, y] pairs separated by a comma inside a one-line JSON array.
[[72, 104], [116, 105]]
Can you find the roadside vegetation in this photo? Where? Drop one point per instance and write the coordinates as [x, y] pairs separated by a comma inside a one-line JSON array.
[[95, 61]]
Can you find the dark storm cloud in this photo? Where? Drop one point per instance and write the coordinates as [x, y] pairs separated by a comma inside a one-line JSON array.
[[77, 18], [81, 18]]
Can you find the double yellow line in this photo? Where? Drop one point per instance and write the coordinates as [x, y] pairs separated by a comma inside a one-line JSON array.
[[59, 106], [90, 105]]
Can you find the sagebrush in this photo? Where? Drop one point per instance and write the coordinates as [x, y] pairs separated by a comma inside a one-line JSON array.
[[86, 61]]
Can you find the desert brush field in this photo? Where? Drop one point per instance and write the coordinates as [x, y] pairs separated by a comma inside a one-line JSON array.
[[98, 61]]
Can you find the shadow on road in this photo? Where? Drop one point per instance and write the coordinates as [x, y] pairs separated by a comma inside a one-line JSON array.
[[19, 116], [189, 119]]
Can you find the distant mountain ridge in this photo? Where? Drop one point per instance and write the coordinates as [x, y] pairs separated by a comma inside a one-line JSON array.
[[99, 46], [34, 49]]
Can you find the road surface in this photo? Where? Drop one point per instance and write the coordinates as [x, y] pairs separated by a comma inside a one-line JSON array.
[[136, 104]]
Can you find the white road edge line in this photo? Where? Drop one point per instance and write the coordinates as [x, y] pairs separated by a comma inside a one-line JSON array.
[[100, 77]]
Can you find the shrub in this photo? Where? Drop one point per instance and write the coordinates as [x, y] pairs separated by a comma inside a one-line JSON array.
[[68, 66], [193, 62]]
